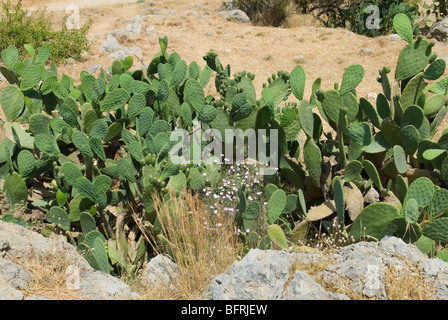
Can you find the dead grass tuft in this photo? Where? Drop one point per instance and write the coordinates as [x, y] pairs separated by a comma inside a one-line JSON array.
[[49, 278], [201, 244]]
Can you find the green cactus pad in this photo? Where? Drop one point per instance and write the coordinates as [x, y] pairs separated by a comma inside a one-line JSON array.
[[438, 204], [372, 221], [400, 228], [15, 190], [207, 114], [10, 56], [46, 144], [114, 100], [331, 105], [194, 95], [306, 118], [125, 170], [97, 147], [434, 104], [277, 236], [431, 154], [59, 217], [30, 78], [422, 190], [370, 112], [81, 142], [99, 129], [297, 81], [87, 222], [196, 179], [252, 212], [413, 59], [313, 161], [276, 205], [39, 124], [61, 197], [403, 27], [12, 101], [437, 230], [440, 86], [411, 211], [102, 183], [86, 188], [435, 70], [352, 77], [352, 170], [371, 171], [136, 151], [400, 159], [410, 139], [26, 163], [360, 133]]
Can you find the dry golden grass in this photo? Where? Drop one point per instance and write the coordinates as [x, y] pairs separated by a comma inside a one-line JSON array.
[[201, 244], [49, 278]]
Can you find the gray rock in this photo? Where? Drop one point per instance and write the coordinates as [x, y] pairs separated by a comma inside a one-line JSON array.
[[366, 52], [37, 298], [94, 68], [161, 271], [136, 25], [150, 30], [111, 44], [7, 292], [266, 275], [394, 37], [20, 243], [227, 5], [439, 30], [235, 15], [16, 275], [303, 287], [100, 286], [371, 196]]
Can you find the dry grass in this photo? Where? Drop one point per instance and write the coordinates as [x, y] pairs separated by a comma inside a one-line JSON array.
[[49, 278], [201, 244]]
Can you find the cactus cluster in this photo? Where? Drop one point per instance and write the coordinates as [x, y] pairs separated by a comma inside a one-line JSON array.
[[104, 145]]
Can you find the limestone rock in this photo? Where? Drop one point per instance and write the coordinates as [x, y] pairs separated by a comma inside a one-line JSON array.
[[161, 271], [235, 14]]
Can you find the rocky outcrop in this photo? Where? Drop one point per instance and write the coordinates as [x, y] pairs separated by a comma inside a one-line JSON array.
[[439, 30], [359, 268], [19, 244]]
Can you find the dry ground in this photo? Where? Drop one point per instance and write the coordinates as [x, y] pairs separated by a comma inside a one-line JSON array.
[[260, 50]]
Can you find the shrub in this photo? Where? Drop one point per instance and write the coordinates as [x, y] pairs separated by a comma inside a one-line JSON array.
[[19, 27], [264, 12], [355, 16]]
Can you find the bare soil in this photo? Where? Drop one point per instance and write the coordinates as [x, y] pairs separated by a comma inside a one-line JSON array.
[[260, 50]]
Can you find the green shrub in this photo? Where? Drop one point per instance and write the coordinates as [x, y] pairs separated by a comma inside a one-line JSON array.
[[20, 27], [353, 14], [264, 12]]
